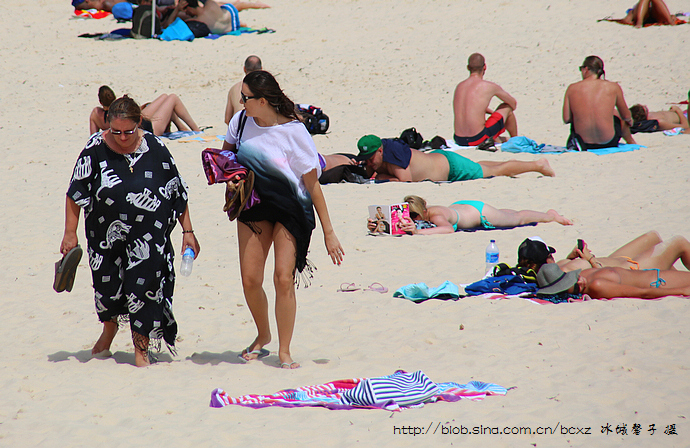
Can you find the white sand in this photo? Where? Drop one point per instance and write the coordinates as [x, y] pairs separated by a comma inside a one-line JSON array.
[[375, 67]]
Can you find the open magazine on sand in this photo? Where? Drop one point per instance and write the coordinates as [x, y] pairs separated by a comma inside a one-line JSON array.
[[389, 218]]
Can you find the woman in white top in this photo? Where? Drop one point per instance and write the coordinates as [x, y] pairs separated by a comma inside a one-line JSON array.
[[270, 140]]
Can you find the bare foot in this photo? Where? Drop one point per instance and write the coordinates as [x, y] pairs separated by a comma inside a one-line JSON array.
[[559, 219], [255, 346], [545, 168], [141, 358], [105, 340]]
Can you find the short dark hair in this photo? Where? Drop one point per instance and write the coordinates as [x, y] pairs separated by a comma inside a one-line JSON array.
[[638, 113], [475, 63], [252, 64]]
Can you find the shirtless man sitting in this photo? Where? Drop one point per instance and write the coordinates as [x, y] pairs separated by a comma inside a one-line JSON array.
[[470, 103], [220, 17], [394, 160], [608, 283], [251, 64], [589, 108], [667, 119]]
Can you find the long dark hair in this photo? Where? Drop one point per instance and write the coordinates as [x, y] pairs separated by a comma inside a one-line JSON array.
[[595, 65], [264, 85], [124, 108]]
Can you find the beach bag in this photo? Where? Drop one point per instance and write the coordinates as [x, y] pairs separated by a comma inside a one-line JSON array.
[[412, 138], [505, 284], [313, 118], [141, 23], [528, 275], [178, 30]]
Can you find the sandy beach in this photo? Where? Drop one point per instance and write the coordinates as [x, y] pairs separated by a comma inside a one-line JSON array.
[[377, 66]]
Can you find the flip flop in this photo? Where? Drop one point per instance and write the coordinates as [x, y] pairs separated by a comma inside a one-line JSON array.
[[288, 365], [66, 270], [348, 287], [377, 287], [260, 353]]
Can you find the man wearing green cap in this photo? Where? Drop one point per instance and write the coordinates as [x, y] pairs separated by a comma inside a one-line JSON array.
[[394, 160]]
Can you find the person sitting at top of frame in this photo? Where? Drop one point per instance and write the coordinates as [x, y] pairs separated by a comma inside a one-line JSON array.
[[589, 108], [211, 16], [471, 102]]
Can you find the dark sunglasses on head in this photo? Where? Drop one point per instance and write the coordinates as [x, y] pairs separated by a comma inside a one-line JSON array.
[[576, 288], [245, 97]]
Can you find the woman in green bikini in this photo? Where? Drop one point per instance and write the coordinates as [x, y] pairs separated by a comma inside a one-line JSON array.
[[471, 214]]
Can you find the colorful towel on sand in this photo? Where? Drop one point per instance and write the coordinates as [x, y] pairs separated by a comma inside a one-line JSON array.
[[677, 21], [392, 393], [91, 14], [419, 292], [524, 144]]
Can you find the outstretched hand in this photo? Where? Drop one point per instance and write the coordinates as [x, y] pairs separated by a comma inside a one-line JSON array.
[[335, 250]]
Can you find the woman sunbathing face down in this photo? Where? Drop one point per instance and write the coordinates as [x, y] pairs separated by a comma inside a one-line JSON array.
[[469, 215]]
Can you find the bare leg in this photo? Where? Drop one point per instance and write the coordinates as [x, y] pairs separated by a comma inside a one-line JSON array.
[[160, 112], [333, 160], [640, 246], [241, 5], [253, 252], [510, 218], [178, 123], [676, 248], [285, 248], [106, 338], [515, 167], [141, 349], [640, 12], [658, 12], [508, 119]]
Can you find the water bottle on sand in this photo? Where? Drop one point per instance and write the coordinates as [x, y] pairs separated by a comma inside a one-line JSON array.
[[491, 256], [188, 262]]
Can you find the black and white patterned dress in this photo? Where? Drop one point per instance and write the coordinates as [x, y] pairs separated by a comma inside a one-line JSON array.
[[131, 204]]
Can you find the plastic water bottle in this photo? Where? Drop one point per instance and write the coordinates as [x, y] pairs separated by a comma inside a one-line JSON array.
[[491, 256], [188, 262]]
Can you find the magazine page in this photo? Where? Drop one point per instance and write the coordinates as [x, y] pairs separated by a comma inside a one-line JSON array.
[[400, 214], [381, 215]]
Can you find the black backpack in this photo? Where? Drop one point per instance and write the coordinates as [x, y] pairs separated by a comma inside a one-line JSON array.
[[412, 138], [141, 23], [313, 118]]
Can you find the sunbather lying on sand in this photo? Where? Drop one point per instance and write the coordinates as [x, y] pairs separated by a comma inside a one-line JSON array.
[[648, 11], [647, 251], [469, 215], [668, 119], [607, 283]]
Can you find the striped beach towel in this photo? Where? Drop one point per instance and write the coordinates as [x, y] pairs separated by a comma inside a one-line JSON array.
[[394, 392]]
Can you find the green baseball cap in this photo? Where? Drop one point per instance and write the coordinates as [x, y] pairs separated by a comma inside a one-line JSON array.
[[367, 146]]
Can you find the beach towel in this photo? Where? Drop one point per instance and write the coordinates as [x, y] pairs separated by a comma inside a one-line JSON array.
[[504, 284], [419, 292], [91, 14], [178, 30], [222, 166], [678, 21], [395, 392], [524, 144]]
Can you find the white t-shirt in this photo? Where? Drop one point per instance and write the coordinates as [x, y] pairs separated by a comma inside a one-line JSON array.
[[287, 148]]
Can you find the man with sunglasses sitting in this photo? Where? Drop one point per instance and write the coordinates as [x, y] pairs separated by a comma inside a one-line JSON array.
[[589, 108]]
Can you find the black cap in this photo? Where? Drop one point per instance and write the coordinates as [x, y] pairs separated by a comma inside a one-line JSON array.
[[534, 250]]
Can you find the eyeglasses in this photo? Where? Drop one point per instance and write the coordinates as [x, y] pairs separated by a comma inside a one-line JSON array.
[[581, 67], [124, 132], [245, 97]]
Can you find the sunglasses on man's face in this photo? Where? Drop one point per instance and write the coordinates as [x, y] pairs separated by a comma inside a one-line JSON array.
[[576, 288], [245, 97], [124, 132]]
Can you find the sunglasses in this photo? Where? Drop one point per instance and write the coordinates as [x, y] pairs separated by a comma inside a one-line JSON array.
[[124, 132], [582, 66], [576, 288], [245, 97]]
